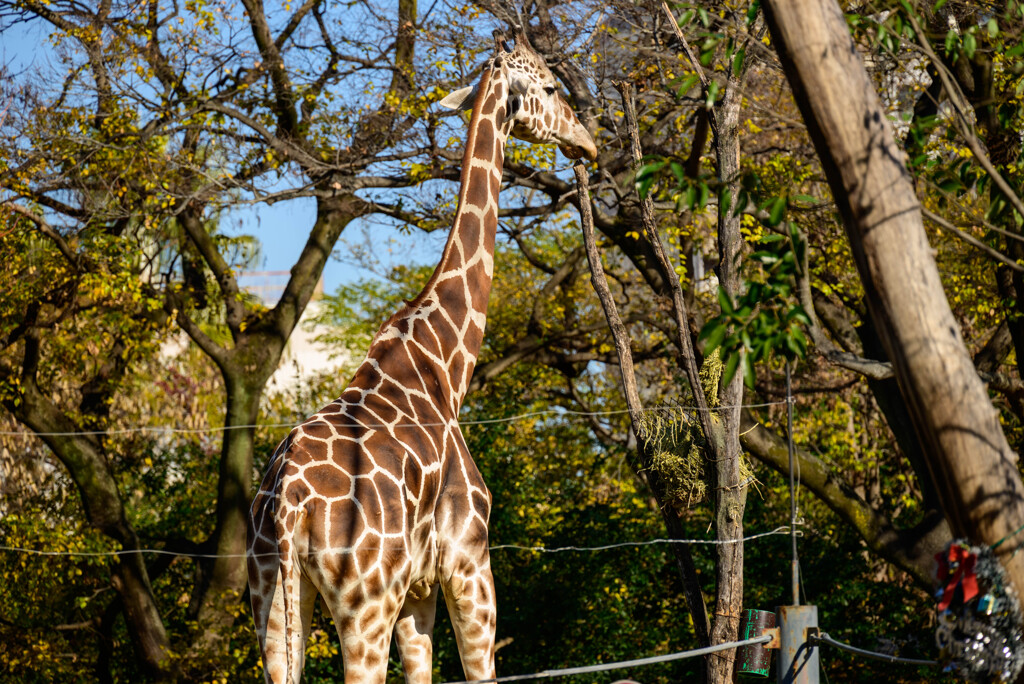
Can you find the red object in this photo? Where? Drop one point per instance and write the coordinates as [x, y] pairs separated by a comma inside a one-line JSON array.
[[956, 568]]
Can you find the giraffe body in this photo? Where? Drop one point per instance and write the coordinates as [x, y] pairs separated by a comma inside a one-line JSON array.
[[374, 502]]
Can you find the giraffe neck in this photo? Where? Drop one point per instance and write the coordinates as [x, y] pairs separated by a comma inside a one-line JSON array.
[[460, 285]]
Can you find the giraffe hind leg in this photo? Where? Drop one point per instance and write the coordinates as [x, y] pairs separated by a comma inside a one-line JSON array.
[[364, 613], [282, 601], [469, 594], [414, 634]]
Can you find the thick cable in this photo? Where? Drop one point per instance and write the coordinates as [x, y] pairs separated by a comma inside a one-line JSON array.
[[824, 638], [640, 662]]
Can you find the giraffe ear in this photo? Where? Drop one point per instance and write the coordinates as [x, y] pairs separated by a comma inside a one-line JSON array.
[[460, 99]]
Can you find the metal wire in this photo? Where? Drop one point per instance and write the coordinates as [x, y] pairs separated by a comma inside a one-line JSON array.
[[499, 547], [469, 421], [795, 561], [777, 530], [640, 662], [824, 638]]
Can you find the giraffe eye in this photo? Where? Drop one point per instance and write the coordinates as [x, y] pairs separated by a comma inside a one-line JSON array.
[[550, 90]]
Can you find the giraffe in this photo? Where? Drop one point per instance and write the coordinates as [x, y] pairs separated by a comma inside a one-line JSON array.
[[374, 502]]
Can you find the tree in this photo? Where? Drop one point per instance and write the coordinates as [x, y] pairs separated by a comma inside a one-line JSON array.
[[178, 113], [76, 323], [967, 454], [142, 155]]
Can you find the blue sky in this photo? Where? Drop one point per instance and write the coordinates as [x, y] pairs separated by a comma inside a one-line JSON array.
[[282, 228]]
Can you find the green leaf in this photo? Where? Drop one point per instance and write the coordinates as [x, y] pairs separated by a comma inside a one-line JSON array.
[[725, 301], [798, 315], [730, 367], [644, 186], [705, 192], [801, 339], [993, 27], [776, 212], [951, 40], [746, 340], [752, 12], [950, 185], [646, 176], [712, 94], [799, 245], [749, 378], [709, 328], [650, 169], [686, 84], [713, 334], [764, 257], [741, 202], [807, 198], [690, 197], [970, 45], [737, 61], [679, 172]]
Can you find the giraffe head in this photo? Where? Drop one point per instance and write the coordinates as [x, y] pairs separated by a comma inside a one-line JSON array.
[[536, 111]]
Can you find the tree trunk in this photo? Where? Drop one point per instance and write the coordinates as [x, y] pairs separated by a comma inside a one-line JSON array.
[[222, 580], [967, 455], [246, 368], [86, 463], [730, 494], [683, 556]]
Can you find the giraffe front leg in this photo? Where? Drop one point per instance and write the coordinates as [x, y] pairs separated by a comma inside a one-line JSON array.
[[414, 631], [470, 598]]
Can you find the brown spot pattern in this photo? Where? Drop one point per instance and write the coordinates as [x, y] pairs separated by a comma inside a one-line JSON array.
[[357, 504]]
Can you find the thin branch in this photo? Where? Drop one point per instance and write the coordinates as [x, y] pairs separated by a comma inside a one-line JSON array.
[[971, 240], [961, 119], [46, 229], [668, 271]]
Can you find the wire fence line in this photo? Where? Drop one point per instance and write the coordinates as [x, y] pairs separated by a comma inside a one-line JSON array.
[[275, 426], [639, 662], [499, 547], [824, 638]]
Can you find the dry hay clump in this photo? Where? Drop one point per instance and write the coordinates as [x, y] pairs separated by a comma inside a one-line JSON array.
[[678, 449], [677, 455]]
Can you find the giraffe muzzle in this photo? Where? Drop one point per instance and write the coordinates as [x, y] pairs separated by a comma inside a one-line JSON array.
[[586, 150]]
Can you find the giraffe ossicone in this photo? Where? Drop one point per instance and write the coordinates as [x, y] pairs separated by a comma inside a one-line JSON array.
[[374, 502]]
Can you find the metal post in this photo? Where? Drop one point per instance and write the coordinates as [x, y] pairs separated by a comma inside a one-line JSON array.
[[794, 561], [798, 657]]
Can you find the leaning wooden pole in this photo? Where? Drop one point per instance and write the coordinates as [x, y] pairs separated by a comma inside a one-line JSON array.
[[973, 467], [683, 556]]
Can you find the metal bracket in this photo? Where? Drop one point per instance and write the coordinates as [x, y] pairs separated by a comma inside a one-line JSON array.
[[775, 642]]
